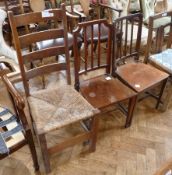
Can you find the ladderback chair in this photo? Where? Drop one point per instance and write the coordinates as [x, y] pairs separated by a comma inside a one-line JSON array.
[[127, 65], [55, 107], [14, 129], [158, 50], [92, 77]]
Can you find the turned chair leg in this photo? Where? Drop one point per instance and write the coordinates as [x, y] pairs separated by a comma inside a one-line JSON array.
[[29, 138], [94, 131], [131, 107], [44, 152]]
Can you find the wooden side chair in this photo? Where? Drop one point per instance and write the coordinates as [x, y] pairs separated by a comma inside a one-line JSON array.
[[158, 50], [127, 65], [92, 77], [55, 107], [14, 129]]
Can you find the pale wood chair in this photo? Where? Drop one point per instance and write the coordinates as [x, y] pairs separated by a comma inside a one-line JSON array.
[[101, 90], [56, 107], [127, 65]]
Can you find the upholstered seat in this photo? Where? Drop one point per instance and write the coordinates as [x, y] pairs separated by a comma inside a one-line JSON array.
[[61, 106], [163, 59], [56, 42]]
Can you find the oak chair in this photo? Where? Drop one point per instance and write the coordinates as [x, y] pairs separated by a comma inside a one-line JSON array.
[[56, 107], [127, 65], [158, 50], [100, 90], [14, 129]]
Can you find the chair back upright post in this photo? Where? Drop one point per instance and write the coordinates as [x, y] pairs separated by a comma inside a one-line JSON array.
[[157, 35], [87, 59], [31, 38], [125, 45]]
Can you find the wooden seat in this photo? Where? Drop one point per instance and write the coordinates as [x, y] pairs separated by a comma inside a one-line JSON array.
[[55, 107], [104, 91], [14, 129], [138, 76], [99, 90], [158, 50]]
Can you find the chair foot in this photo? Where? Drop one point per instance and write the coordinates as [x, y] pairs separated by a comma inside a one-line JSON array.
[[44, 152], [94, 130], [32, 149], [131, 107], [161, 92]]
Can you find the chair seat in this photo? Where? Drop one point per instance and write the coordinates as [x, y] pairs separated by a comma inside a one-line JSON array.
[[58, 107], [163, 59], [56, 42], [140, 76], [104, 90]]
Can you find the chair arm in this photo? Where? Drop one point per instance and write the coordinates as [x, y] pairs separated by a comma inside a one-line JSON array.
[[18, 99]]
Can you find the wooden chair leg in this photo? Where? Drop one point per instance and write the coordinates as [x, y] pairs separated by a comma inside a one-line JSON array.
[[161, 92], [44, 152], [131, 107], [167, 98], [29, 138], [94, 131]]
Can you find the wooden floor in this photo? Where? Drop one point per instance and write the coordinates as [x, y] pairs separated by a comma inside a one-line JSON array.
[[138, 150]]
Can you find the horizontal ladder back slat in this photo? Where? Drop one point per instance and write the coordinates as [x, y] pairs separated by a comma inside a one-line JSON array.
[[36, 17], [39, 54], [45, 69], [30, 38]]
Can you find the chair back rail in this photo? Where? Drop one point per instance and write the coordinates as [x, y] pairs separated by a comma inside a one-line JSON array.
[[22, 41], [126, 38]]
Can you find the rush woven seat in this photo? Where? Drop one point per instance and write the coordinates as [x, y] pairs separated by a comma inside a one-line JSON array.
[[62, 106]]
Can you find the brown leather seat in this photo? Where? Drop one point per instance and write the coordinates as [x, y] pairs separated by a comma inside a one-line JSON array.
[[56, 42]]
